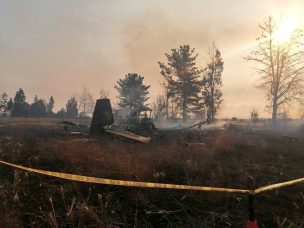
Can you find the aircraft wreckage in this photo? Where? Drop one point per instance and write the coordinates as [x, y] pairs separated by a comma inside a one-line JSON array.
[[137, 124]]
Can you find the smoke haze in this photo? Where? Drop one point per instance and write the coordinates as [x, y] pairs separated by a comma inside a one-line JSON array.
[[55, 47]]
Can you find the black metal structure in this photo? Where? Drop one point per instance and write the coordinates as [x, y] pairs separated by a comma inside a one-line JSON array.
[[102, 116]]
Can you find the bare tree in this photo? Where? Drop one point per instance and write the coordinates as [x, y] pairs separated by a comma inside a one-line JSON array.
[[3, 101], [103, 94], [212, 83], [254, 115], [86, 102], [159, 107], [169, 100], [280, 63]]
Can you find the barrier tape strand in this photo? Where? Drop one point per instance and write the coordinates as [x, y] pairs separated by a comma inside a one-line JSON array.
[[97, 180]]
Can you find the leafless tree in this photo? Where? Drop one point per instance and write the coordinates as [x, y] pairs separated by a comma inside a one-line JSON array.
[[86, 102], [103, 94], [280, 64], [159, 107], [169, 100], [254, 115]]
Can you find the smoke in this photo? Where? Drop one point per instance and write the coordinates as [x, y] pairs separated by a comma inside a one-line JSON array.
[[168, 124], [56, 47]]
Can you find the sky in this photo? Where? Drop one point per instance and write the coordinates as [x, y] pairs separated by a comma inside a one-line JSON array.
[[55, 47]]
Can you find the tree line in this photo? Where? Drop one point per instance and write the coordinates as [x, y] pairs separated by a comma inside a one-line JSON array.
[[193, 91], [190, 91], [19, 107]]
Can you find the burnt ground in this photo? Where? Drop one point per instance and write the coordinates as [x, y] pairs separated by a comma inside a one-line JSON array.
[[214, 157]]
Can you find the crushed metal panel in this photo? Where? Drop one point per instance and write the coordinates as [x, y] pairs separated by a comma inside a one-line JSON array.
[[130, 135]]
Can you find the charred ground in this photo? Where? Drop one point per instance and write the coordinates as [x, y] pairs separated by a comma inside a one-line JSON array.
[[214, 157]]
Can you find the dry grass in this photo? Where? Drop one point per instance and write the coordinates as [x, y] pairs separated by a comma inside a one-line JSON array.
[[223, 159]]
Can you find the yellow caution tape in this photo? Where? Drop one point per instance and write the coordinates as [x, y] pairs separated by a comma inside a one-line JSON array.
[[16, 124], [8, 125], [97, 180], [279, 185], [137, 183]]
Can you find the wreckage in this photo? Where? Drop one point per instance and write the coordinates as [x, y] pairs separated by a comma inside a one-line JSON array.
[[103, 122], [136, 124]]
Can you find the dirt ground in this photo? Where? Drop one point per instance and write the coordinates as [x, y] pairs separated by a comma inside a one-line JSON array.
[[219, 157]]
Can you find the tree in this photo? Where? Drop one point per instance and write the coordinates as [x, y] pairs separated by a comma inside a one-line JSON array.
[[9, 105], [302, 113], [159, 107], [36, 98], [86, 102], [3, 101], [50, 105], [132, 92], [103, 94], [182, 79], [280, 64], [62, 113], [254, 115], [212, 83], [38, 108], [169, 95], [20, 96], [71, 108], [20, 108]]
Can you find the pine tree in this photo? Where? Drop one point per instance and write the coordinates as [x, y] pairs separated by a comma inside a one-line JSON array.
[[20, 97], [212, 83], [182, 79], [71, 108], [20, 108], [132, 92], [50, 105], [62, 113], [38, 108], [9, 105]]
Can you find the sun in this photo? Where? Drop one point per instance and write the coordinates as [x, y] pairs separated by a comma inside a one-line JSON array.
[[286, 28]]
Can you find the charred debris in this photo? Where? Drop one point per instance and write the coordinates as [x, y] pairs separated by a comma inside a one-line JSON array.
[[136, 125]]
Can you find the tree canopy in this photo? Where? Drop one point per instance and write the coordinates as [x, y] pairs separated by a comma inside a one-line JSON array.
[[71, 108], [182, 79], [20, 107], [212, 83], [132, 92], [280, 64]]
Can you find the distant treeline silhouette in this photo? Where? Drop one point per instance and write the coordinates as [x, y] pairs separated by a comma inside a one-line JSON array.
[[190, 91], [18, 107]]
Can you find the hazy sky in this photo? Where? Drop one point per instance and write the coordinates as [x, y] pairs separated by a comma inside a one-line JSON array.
[[55, 47]]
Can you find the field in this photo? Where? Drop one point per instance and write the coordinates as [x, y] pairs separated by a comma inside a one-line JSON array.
[[219, 157]]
